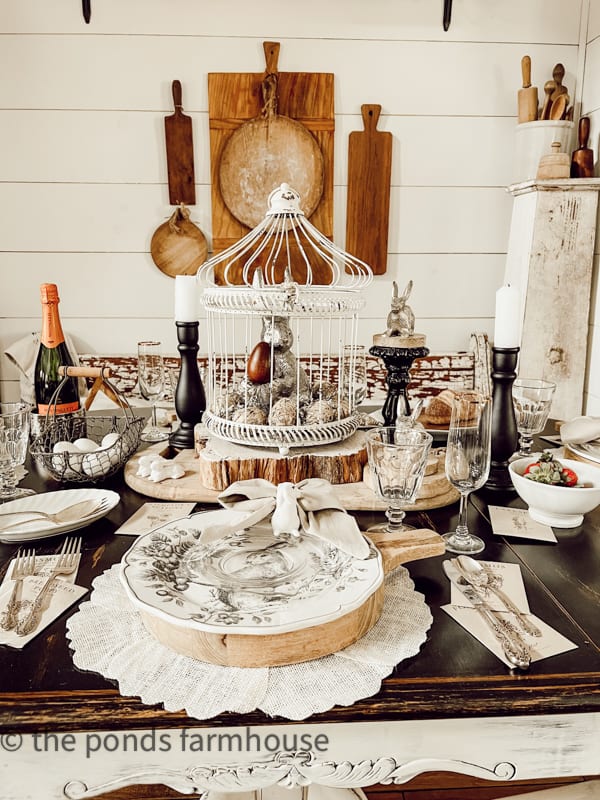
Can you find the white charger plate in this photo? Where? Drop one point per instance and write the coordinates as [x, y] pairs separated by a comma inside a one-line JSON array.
[[51, 503]]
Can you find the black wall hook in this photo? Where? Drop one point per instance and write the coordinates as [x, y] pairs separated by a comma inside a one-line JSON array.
[[86, 6], [447, 14]]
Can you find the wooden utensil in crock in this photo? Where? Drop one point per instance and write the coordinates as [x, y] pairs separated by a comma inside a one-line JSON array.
[[267, 151], [178, 247], [582, 159]]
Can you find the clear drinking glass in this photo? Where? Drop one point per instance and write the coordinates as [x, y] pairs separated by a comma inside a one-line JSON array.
[[354, 374], [397, 458], [151, 378], [468, 454], [532, 400], [14, 438]]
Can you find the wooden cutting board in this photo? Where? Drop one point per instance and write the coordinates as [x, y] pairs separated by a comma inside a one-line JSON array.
[[369, 181], [180, 153], [235, 98]]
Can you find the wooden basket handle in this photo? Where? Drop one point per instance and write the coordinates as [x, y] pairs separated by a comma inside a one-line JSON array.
[[85, 372]]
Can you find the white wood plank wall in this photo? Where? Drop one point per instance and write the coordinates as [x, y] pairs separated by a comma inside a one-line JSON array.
[[591, 106], [82, 164]]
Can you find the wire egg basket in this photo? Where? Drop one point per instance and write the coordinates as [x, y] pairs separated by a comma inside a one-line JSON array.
[[282, 368], [117, 437]]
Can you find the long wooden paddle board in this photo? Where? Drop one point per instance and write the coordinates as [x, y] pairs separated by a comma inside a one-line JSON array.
[[180, 153], [369, 181]]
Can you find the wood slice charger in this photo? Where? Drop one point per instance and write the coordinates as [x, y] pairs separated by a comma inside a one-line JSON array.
[[305, 644], [267, 151]]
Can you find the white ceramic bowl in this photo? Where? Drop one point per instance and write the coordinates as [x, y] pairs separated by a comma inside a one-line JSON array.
[[558, 506]]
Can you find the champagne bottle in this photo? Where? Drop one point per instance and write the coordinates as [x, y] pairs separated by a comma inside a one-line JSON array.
[[52, 354]]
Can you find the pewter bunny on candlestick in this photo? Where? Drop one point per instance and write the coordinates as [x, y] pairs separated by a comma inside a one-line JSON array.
[[401, 320], [398, 347]]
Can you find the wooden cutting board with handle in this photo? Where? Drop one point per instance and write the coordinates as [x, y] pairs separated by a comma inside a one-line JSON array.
[[369, 181], [180, 153], [234, 98]]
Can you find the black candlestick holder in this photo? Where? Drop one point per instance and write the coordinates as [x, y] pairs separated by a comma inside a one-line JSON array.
[[504, 424], [190, 400], [398, 361]]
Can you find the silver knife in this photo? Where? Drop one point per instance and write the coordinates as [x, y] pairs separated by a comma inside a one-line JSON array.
[[516, 652]]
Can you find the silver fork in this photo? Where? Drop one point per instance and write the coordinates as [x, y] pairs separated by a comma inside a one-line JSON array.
[[67, 563], [77, 511], [24, 565]]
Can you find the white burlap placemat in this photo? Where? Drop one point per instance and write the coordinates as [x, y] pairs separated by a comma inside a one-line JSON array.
[[107, 636]]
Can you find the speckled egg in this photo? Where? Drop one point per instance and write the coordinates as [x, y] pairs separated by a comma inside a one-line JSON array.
[[325, 390], [252, 415], [320, 411], [226, 404], [283, 412]]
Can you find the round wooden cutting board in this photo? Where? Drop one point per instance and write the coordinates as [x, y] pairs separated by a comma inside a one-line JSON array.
[[260, 156]]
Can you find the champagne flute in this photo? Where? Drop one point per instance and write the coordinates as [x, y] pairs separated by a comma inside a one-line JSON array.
[[468, 454], [397, 457], [14, 436], [532, 400], [151, 377]]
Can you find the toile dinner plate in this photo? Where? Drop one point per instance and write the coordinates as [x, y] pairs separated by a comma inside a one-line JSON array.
[[248, 582], [51, 503]]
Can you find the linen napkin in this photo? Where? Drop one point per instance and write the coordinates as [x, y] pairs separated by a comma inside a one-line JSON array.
[[580, 430], [310, 506], [63, 594]]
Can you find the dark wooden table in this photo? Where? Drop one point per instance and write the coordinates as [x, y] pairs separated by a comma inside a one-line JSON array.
[[452, 678]]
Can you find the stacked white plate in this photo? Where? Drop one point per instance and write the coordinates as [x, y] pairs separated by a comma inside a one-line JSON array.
[[36, 527]]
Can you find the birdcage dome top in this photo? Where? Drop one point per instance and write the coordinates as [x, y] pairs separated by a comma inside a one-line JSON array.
[[284, 265]]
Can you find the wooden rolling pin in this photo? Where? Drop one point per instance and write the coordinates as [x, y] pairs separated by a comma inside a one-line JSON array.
[[528, 95]]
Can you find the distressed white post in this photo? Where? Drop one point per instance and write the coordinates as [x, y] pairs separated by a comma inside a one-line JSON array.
[[550, 256]]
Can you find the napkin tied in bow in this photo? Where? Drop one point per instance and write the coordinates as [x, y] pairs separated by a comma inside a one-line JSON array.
[[309, 506]]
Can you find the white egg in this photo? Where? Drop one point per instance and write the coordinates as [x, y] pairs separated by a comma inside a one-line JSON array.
[[110, 439], [85, 445], [93, 466], [65, 447], [67, 461]]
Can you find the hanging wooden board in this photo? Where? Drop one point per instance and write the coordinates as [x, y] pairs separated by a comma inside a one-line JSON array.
[[235, 98], [369, 180], [180, 153]]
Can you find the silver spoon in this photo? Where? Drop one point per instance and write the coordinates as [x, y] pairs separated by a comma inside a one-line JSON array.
[[480, 576]]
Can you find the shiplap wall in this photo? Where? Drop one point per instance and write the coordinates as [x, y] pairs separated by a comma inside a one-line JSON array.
[[82, 164], [591, 106]]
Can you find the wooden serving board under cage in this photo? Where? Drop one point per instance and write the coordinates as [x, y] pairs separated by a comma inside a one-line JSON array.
[[343, 464], [303, 643], [234, 98]]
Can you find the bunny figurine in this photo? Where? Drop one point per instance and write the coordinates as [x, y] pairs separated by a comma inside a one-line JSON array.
[[400, 320]]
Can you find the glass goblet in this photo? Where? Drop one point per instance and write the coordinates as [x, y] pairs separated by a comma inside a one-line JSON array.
[[397, 458], [354, 374], [532, 400], [468, 455], [151, 378], [15, 421]]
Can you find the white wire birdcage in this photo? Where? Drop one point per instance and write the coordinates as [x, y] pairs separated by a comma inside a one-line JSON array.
[[282, 369]]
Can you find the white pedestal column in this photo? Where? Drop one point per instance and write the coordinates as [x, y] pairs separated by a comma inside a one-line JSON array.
[[550, 256]]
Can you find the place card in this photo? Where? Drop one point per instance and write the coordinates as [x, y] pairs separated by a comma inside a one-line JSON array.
[[516, 522], [152, 515], [550, 643], [63, 593]]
